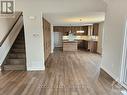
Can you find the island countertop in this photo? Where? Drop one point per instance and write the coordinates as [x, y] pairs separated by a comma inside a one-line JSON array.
[[67, 41]]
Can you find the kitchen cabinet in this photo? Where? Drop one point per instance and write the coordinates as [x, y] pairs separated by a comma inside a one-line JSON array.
[[95, 29], [70, 46], [47, 38], [82, 28], [92, 46], [81, 44], [65, 29], [58, 28], [87, 45]]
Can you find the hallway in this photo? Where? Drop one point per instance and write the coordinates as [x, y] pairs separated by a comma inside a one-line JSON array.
[[67, 73]]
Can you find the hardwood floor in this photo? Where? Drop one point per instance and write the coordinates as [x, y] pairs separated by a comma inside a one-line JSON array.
[[67, 73]]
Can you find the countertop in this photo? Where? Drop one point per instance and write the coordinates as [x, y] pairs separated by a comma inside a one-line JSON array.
[[76, 41], [85, 38], [66, 41]]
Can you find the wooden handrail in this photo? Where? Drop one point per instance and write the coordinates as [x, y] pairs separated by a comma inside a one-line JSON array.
[[1, 43]]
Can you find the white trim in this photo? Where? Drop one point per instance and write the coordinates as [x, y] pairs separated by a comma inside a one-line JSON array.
[[52, 39], [35, 68], [125, 86], [124, 61], [124, 92]]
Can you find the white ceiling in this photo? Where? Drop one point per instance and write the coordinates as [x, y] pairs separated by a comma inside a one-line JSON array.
[[66, 12], [71, 11], [74, 18]]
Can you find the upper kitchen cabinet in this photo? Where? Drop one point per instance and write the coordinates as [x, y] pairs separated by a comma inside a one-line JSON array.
[[74, 29], [66, 30], [85, 28], [95, 29], [81, 28], [58, 28]]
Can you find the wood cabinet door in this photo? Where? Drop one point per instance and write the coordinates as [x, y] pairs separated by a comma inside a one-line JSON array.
[[93, 46], [58, 28], [66, 30], [85, 28], [95, 29], [47, 38]]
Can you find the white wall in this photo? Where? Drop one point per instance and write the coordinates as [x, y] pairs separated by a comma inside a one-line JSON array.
[[114, 30], [33, 34], [100, 37], [6, 23], [34, 41], [4, 49]]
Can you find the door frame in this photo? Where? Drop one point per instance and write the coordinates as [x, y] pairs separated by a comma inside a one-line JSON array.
[[124, 59]]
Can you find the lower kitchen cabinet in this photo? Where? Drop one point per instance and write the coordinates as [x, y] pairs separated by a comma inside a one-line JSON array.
[[87, 45], [92, 46]]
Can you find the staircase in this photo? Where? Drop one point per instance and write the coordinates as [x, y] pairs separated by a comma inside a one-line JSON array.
[[16, 58]]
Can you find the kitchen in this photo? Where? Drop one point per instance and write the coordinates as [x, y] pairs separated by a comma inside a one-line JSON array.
[[75, 38]]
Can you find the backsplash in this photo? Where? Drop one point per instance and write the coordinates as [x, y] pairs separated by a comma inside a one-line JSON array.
[[89, 38]]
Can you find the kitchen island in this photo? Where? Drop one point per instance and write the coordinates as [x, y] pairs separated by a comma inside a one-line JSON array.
[[70, 45], [88, 43]]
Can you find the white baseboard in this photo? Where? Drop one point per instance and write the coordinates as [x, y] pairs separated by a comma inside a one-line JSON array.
[[35, 68], [124, 92]]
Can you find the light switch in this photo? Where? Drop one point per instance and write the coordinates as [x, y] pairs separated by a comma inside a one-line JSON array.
[[32, 17], [36, 35]]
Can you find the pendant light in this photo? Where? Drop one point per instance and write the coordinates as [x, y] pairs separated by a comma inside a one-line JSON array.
[[70, 29], [80, 31]]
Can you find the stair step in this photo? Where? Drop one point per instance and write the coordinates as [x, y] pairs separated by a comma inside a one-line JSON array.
[[16, 58], [17, 55], [21, 34], [14, 67], [20, 38], [19, 46], [16, 61], [19, 42], [17, 50]]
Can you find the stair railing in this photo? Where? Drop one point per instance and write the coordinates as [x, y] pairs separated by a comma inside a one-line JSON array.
[[5, 37]]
